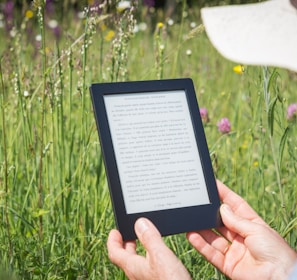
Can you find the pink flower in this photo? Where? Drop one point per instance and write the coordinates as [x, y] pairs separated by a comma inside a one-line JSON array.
[[204, 115], [292, 111], [224, 125]]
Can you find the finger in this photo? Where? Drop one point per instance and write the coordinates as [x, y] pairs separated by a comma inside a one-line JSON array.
[[217, 241], [214, 256], [237, 203], [149, 235], [130, 247], [124, 256], [227, 233], [237, 224], [162, 262], [118, 251]]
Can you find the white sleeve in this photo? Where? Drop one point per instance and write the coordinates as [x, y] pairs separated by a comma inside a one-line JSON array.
[[293, 274]]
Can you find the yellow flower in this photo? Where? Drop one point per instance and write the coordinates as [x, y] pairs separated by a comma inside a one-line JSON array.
[[160, 25], [29, 14], [109, 36], [103, 27], [244, 145], [255, 163], [239, 69]]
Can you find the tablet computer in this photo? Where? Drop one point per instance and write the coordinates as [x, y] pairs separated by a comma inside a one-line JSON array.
[[156, 156]]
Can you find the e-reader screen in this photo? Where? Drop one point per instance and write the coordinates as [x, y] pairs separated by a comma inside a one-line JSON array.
[[156, 151]]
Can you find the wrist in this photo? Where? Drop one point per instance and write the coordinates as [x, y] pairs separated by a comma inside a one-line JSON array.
[[286, 267]]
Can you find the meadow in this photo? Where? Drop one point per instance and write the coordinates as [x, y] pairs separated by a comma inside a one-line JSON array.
[[54, 200]]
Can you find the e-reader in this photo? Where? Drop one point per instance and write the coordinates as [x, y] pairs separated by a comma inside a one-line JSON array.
[[156, 157]]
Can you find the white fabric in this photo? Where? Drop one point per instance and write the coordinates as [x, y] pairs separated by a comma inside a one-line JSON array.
[[293, 275], [258, 34]]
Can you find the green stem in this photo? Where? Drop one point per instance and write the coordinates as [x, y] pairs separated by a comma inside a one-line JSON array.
[[180, 35], [40, 169], [10, 251], [276, 165]]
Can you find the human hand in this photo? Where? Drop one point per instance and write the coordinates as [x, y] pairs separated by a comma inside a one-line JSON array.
[[248, 247], [159, 262]]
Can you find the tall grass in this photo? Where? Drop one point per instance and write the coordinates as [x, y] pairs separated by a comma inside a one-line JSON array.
[[55, 206]]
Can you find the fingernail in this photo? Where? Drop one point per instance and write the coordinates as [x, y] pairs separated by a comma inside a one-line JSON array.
[[141, 225], [226, 208]]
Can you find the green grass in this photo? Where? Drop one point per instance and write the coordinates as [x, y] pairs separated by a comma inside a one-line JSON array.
[[54, 201]]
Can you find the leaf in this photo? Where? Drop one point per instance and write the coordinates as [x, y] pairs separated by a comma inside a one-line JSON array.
[[290, 227], [282, 144], [272, 78], [39, 212], [271, 115]]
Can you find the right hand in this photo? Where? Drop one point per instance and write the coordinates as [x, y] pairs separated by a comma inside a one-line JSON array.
[[247, 247]]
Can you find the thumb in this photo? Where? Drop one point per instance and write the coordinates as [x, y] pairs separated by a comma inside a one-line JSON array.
[[148, 234], [237, 224]]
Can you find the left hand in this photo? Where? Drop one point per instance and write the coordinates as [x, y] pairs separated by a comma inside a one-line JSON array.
[[159, 263]]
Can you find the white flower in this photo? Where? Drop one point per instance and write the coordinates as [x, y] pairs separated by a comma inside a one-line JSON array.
[[142, 26], [52, 24], [12, 33], [26, 93], [188, 52], [135, 29], [81, 15], [123, 5], [193, 24], [170, 22], [38, 38]]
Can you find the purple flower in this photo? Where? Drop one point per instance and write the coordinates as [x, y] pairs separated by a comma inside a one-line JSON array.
[[149, 3], [8, 14], [292, 111], [204, 115], [49, 7], [224, 125]]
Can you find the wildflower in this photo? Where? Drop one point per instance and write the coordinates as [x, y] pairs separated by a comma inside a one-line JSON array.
[[244, 145], [109, 36], [204, 115], [142, 26], [193, 24], [52, 24], [13, 32], [26, 93], [239, 69], [38, 38], [149, 3], [123, 5], [189, 52], [81, 15], [8, 9], [1, 20], [103, 27], [49, 7], [170, 21], [224, 125], [292, 111], [29, 14], [160, 25]]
